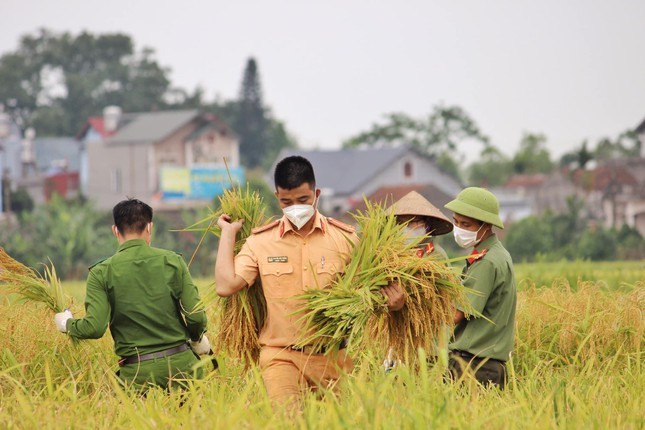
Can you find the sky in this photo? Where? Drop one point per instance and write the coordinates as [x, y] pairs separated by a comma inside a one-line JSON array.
[[572, 70]]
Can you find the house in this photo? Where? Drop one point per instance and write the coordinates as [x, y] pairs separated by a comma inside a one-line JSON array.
[[40, 165], [613, 192], [621, 188], [345, 176], [172, 159]]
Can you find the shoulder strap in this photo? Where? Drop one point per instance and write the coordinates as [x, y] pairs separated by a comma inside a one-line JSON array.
[[265, 227], [99, 261], [341, 225]]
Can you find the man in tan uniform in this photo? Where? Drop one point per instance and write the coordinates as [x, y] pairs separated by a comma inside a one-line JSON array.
[[302, 250]]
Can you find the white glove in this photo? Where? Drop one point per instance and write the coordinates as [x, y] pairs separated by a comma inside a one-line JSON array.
[[61, 320], [200, 347], [389, 363]]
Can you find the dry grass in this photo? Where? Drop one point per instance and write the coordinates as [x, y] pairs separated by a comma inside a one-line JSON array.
[[353, 307], [239, 317], [588, 322], [29, 285]]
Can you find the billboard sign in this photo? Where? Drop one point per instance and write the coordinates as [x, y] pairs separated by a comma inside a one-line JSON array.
[[197, 183]]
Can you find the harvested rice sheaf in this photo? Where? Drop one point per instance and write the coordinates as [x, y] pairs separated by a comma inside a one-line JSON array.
[[354, 309], [29, 285], [239, 317]]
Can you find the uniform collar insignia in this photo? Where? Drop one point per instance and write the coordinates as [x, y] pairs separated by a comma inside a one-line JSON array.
[[428, 248], [476, 255]]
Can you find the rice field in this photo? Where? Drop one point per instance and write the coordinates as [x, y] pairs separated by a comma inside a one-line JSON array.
[[578, 363]]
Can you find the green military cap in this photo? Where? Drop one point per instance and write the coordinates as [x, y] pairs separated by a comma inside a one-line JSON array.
[[477, 203]]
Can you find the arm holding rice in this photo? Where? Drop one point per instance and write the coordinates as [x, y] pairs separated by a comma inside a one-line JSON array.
[[227, 282]]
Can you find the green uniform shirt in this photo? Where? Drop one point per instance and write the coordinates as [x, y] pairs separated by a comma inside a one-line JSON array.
[[145, 294], [493, 280]]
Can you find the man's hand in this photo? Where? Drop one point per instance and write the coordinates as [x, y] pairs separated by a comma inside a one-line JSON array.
[[395, 296], [200, 347], [224, 222], [61, 320]]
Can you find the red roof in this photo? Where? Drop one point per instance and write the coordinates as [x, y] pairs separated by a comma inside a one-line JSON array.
[[98, 124], [602, 177], [525, 181]]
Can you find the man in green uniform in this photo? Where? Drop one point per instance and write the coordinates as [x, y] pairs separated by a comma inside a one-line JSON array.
[[148, 299], [483, 340]]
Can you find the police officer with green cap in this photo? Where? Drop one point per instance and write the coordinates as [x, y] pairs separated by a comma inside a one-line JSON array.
[[484, 335], [148, 299]]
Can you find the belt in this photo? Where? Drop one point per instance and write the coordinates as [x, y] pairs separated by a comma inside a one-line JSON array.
[[471, 357], [151, 356], [310, 349]]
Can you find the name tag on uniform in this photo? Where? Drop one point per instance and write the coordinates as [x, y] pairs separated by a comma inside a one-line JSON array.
[[281, 259]]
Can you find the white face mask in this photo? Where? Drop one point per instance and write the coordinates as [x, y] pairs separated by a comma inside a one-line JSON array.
[[299, 214], [466, 238], [414, 235]]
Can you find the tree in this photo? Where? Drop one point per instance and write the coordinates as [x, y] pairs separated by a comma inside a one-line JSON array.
[[529, 237], [21, 201], [578, 158], [70, 233], [626, 144], [54, 82], [532, 157], [493, 168], [438, 135], [251, 118]]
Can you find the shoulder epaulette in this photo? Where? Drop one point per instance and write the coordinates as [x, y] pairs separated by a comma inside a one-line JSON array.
[[99, 261], [265, 227], [341, 225]]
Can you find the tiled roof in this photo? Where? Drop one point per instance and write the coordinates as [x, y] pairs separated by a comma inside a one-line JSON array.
[[150, 126], [346, 170]]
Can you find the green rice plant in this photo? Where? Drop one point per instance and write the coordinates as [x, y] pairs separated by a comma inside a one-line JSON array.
[[239, 317], [30, 285], [353, 307]]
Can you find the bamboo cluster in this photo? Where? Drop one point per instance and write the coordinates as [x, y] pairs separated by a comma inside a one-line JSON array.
[[29, 285], [354, 309]]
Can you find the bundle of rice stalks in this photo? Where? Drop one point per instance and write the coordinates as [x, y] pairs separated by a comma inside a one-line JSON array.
[[239, 317], [353, 307], [30, 285]]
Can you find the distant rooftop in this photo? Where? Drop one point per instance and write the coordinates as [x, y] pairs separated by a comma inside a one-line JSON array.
[[150, 126], [346, 170]]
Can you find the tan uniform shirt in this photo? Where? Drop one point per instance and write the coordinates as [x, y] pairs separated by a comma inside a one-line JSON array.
[[288, 264]]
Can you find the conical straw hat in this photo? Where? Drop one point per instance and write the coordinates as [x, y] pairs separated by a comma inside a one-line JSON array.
[[415, 204]]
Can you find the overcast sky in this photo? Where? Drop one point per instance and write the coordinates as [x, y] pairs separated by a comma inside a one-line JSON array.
[[571, 69]]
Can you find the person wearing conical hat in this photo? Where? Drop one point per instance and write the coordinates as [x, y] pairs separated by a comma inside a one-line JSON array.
[[484, 335], [423, 219]]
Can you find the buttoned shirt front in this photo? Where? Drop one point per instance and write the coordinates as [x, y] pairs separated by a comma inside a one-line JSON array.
[[288, 264]]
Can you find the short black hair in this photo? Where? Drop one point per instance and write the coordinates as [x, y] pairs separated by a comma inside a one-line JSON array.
[[294, 171], [131, 215]]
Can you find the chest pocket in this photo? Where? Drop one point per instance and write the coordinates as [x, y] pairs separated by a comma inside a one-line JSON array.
[[279, 281], [326, 273]]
